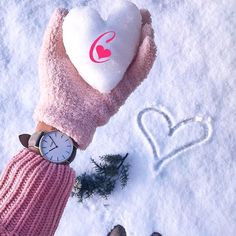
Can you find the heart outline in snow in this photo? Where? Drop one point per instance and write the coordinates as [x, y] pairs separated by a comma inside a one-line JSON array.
[[161, 161]]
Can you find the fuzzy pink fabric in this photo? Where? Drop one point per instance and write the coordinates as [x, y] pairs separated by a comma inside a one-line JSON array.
[[33, 195], [71, 105]]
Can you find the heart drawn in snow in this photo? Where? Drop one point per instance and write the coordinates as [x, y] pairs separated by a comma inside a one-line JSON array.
[[172, 130], [102, 53]]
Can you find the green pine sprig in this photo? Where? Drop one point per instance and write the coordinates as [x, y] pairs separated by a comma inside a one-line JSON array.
[[110, 170]]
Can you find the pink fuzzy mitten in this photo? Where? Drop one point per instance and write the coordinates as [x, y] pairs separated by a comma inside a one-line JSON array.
[[71, 105]]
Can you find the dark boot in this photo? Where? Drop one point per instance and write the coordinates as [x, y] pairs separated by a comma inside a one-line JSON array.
[[156, 234], [118, 230]]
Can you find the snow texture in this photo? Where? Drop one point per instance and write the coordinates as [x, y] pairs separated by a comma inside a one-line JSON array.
[[178, 126]]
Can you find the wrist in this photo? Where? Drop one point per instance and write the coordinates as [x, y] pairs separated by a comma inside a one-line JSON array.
[[41, 126]]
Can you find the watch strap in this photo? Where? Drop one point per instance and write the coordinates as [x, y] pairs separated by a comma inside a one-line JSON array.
[[28, 140], [34, 139], [24, 139]]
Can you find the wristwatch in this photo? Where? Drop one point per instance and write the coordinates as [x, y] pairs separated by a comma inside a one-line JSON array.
[[54, 146]]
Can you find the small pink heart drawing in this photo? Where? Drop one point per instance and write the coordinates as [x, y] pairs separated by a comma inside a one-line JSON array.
[[172, 129], [102, 52]]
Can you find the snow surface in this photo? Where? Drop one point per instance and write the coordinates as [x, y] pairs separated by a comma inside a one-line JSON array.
[[192, 84]]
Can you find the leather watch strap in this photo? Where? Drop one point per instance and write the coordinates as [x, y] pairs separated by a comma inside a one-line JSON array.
[[24, 139], [35, 138], [28, 140], [31, 141]]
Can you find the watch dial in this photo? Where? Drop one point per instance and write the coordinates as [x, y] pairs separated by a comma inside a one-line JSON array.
[[56, 146]]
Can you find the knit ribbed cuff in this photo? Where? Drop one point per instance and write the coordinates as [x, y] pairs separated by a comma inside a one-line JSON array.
[[33, 195]]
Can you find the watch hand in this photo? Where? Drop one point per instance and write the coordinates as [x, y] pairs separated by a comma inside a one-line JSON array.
[[51, 144], [52, 140], [53, 149]]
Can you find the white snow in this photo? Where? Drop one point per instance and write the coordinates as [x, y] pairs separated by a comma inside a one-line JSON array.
[[194, 77]]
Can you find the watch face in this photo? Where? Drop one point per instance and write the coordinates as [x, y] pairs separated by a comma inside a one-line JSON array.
[[56, 146]]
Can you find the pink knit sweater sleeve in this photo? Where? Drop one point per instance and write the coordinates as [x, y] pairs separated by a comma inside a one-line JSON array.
[[33, 195]]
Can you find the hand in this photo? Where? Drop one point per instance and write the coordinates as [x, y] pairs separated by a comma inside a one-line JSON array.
[[70, 104]]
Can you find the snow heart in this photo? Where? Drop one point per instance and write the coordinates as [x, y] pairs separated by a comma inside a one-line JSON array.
[[101, 50], [187, 133]]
